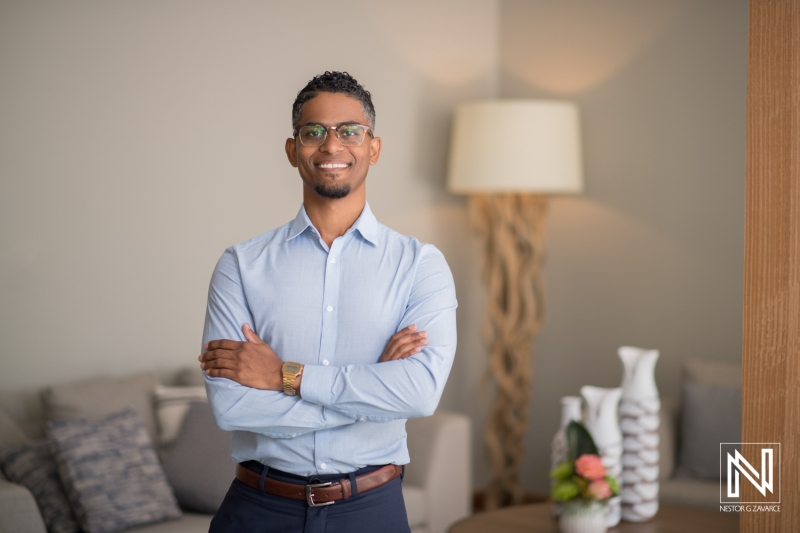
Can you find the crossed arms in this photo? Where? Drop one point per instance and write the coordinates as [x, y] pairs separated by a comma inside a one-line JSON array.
[[243, 376]]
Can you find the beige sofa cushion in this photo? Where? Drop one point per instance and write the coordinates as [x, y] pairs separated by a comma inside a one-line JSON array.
[[690, 492], [188, 523], [10, 433], [416, 505], [95, 398]]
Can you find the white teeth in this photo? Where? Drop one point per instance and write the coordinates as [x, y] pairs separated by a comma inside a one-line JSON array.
[[333, 165]]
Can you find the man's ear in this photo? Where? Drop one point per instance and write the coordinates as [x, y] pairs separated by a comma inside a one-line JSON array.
[[291, 151], [374, 150]]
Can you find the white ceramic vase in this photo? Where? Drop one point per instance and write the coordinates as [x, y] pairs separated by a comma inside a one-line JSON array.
[[582, 517], [559, 450], [639, 421], [602, 421]]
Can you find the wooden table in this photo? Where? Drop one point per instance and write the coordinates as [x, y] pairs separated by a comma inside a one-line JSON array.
[[536, 519]]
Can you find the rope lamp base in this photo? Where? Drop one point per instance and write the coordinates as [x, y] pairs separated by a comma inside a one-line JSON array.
[[512, 230]]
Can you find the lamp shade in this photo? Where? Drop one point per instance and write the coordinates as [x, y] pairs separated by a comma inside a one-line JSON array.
[[529, 146]]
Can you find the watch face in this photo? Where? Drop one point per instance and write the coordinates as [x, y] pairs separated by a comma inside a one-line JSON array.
[[291, 368]]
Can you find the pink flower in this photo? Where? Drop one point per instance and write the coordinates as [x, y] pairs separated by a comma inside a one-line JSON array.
[[590, 467], [598, 490]]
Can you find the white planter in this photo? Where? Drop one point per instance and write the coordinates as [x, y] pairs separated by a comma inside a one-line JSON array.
[[582, 517], [639, 421]]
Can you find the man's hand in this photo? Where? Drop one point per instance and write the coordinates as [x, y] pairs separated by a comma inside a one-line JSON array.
[[404, 343], [252, 363], [255, 364]]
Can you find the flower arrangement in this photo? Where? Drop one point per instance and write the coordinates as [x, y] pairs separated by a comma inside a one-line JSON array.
[[582, 477]]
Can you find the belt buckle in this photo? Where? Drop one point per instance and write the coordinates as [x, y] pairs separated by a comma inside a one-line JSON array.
[[310, 495]]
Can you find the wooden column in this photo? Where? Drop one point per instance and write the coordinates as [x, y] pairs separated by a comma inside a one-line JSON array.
[[771, 343]]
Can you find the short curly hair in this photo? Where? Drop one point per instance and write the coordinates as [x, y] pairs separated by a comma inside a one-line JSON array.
[[334, 82]]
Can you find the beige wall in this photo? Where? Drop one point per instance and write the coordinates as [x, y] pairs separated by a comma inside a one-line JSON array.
[[139, 139], [652, 254]]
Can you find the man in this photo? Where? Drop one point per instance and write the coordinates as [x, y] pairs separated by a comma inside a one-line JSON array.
[[323, 336]]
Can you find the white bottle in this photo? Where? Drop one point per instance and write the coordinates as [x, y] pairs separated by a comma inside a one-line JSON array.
[[602, 422], [559, 449]]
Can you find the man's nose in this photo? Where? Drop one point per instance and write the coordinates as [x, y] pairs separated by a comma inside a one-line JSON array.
[[332, 144]]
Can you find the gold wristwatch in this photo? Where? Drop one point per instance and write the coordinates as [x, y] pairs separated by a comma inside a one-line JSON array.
[[290, 372]]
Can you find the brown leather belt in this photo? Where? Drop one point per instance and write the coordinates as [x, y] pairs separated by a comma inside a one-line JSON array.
[[319, 494]]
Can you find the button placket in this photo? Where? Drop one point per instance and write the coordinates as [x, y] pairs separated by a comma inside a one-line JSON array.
[[330, 302]]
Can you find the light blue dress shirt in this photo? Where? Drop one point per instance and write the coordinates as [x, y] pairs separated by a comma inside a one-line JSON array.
[[333, 310]]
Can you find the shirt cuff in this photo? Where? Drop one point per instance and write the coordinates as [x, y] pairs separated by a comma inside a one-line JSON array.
[[317, 384]]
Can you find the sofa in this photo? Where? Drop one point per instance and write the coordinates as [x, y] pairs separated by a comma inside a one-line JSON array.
[[707, 412], [164, 423]]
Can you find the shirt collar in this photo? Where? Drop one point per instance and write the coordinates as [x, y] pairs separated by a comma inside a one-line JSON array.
[[366, 224], [300, 223]]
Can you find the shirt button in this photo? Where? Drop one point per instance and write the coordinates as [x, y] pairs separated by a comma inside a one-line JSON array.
[[325, 362], [323, 466], [294, 435], [329, 308], [361, 419], [333, 259]]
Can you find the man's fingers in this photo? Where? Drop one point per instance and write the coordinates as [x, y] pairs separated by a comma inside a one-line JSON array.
[[404, 337], [405, 331], [411, 349], [406, 348], [250, 335], [221, 373], [223, 344], [404, 343], [218, 363], [216, 354], [409, 338]]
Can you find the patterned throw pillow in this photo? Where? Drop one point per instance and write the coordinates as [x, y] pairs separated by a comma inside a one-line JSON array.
[[111, 473], [31, 465]]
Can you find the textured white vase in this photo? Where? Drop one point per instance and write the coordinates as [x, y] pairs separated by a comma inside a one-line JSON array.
[[582, 517], [559, 450], [602, 421], [639, 421]]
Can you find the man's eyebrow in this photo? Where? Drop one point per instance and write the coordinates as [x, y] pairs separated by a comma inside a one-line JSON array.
[[345, 123]]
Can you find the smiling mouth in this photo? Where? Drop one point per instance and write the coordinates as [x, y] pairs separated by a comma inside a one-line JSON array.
[[333, 166]]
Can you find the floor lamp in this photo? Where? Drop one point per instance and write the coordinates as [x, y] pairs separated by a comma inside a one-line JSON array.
[[507, 155]]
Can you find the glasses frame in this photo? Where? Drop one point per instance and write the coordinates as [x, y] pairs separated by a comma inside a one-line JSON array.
[[296, 132]]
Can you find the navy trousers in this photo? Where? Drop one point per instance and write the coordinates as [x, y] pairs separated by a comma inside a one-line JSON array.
[[248, 510]]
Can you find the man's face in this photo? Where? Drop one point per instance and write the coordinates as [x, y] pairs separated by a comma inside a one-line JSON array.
[[332, 170]]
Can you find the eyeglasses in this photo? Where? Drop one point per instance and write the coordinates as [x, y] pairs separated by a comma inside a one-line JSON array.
[[348, 134]]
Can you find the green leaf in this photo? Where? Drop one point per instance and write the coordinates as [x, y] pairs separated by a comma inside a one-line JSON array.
[[613, 484], [579, 441], [565, 490], [562, 471]]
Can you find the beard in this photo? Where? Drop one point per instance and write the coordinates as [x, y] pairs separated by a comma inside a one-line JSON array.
[[332, 191]]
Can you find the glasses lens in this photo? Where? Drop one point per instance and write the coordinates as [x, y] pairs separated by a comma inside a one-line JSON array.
[[312, 135], [351, 134]]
